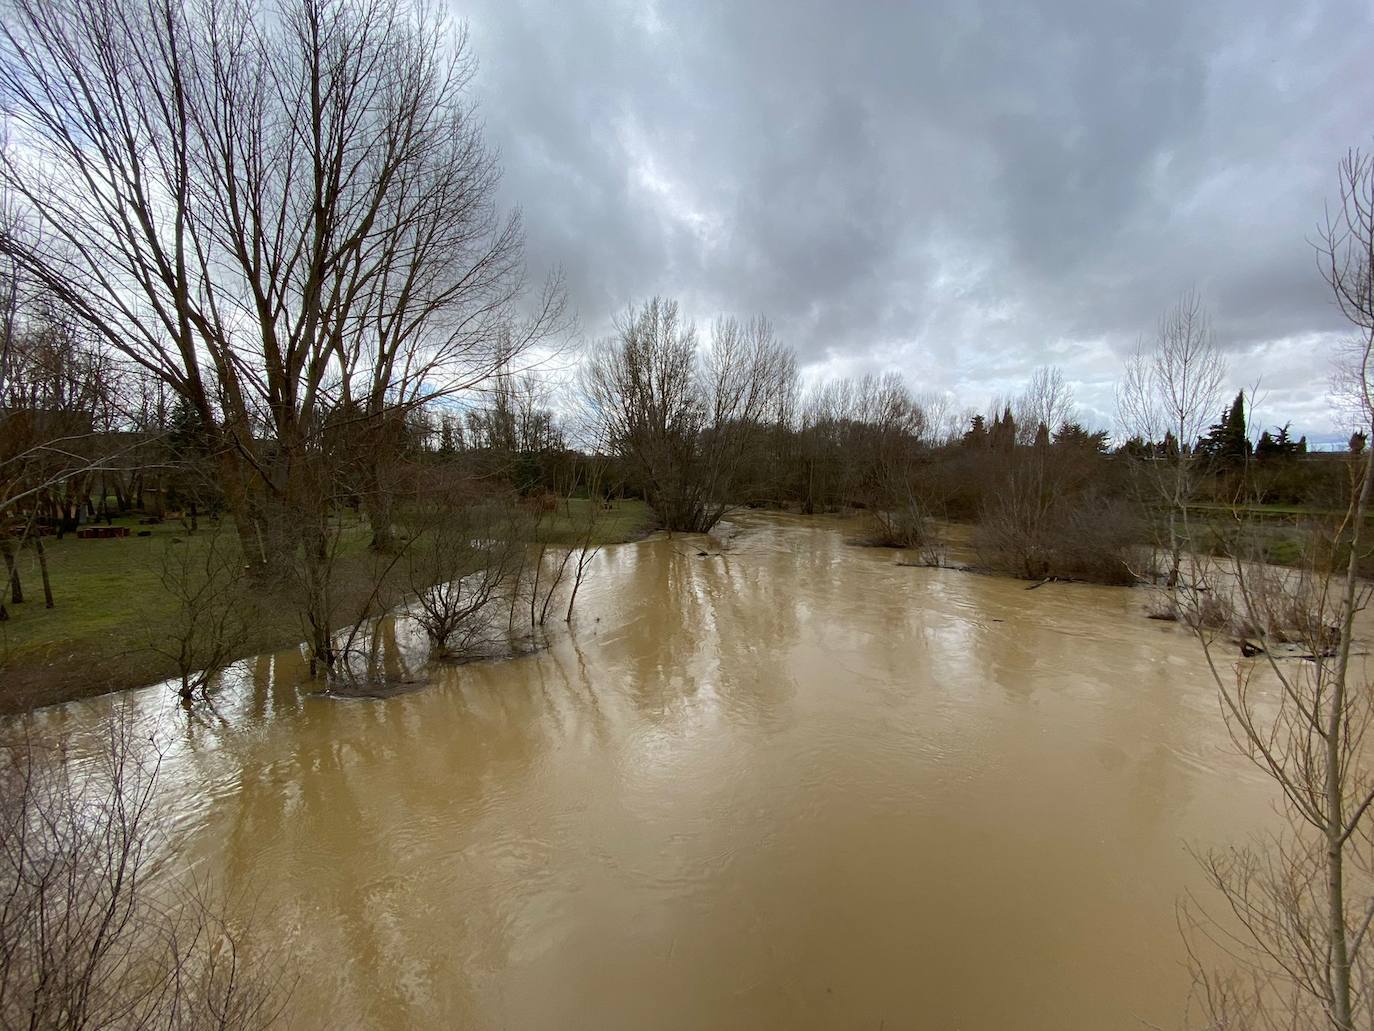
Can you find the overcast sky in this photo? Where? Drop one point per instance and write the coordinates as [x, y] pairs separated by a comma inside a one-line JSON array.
[[958, 190]]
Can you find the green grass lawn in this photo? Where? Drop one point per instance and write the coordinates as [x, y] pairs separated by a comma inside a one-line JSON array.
[[108, 598], [1267, 510], [100, 588], [623, 521], [1279, 534]]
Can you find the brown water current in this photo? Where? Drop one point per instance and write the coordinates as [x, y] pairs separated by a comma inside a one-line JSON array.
[[792, 786]]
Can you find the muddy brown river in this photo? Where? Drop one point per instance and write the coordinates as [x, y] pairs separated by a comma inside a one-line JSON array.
[[795, 785]]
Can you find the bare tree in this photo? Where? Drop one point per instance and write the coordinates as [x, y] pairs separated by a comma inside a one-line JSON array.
[[88, 938], [684, 419], [1304, 904], [213, 616], [1171, 389], [826, 478], [1047, 401], [459, 566], [278, 211], [59, 401], [1299, 896], [586, 545], [883, 446], [863, 442], [339, 592], [942, 423]]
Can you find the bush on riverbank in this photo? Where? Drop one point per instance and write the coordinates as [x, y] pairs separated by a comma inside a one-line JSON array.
[[1086, 539], [1049, 520]]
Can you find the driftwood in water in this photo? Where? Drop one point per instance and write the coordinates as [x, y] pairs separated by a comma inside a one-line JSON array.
[[1253, 646], [1050, 580]]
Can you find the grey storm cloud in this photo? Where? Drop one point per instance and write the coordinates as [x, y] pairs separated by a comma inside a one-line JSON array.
[[960, 191]]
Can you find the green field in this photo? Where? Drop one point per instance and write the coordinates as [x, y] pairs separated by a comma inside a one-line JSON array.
[[1288, 513]]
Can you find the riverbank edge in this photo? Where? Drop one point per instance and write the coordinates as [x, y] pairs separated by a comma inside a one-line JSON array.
[[111, 666]]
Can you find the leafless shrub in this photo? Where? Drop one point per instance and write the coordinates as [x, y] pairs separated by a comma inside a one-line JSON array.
[[1211, 611], [87, 939], [906, 526], [1092, 538], [212, 619], [549, 565], [1241, 595], [932, 549], [1286, 606], [462, 561], [1163, 607], [1039, 526], [585, 528]]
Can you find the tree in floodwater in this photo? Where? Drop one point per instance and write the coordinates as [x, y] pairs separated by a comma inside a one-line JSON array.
[[1300, 906], [586, 545], [461, 562], [1047, 515], [885, 445], [1170, 388], [686, 418], [212, 616]]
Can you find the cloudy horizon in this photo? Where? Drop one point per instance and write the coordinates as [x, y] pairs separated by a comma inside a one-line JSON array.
[[959, 192]]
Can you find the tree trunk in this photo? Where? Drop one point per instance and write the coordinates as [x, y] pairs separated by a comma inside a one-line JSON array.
[[43, 570], [12, 567], [261, 534], [379, 517], [1338, 940]]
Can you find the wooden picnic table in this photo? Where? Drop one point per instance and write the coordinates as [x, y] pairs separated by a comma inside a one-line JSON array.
[[101, 533]]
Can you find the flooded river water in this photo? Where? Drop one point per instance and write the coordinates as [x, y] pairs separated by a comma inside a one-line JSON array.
[[795, 785]]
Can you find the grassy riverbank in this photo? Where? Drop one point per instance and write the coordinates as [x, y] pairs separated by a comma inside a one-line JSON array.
[[109, 601]]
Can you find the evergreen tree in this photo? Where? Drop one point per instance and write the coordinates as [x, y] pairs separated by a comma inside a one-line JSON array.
[[1004, 432], [1075, 435], [187, 437], [1136, 447], [1227, 442], [1280, 444], [1169, 447], [447, 443], [977, 435], [188, 480]]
